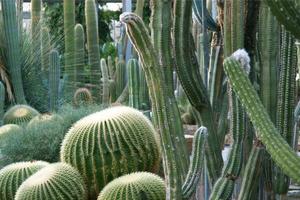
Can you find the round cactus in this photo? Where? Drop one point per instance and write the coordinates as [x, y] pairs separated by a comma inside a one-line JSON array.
[[56, 181], [9, 129], [109, 144], [19, 114], [137, 186], [45, 119], [12, 176], [83, 96]]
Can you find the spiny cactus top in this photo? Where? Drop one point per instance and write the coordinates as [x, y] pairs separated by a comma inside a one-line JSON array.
[[8, 129], [12, 176], [19, 114], [109, 144], [45, 119], [56, 181], [135, 186]]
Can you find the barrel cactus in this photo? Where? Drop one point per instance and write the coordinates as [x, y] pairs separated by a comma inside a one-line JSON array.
[[12, 176], [45, 119], [110, 143], [19, 114], [138, 186], [83, 96], [56, 181], [8, 129]]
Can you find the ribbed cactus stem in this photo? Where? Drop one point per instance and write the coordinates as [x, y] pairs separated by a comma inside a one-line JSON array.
[[120, 77], [69, 24], [19, 114], [79, 55], [277, 147], [143, 92], [91, 18], [133, 83], [36, 8], [111, 67], [13, 51], [105, 83], [2, 102], [54, 80], [45, 48]]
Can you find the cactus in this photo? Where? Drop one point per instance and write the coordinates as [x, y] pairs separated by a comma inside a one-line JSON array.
[[126, 143], [83, 96], [143, 92], [2, 102], [210, 23], [12, 176], [44, 119], [120, 77], [19, 114], [55, 181], [69, 24], [111, 67], [105, 83], [45, 48], [287, 13], [222, 189], [36, 9], [79, 55], [138, 186], [54, 80], [133, 83], [91, 18], [280, 151], [8, 129], [13, 51]]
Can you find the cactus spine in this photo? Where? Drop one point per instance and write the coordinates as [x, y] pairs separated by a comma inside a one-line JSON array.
[[138, 186], [19, 114], [277, 147], [54, 79], [12, 176], [2, 102], [13, 49], [127, 142], [79, 55], [55, 181], [91, 18], [105, 83], [133, 83]]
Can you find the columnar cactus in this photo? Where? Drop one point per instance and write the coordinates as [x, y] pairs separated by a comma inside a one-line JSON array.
[[19, 114], [105, 82], [280, 151], [91, 18], [143, 92], [12, 176], [133, 83], [138, 186], [36, 9], [111, 67], [2, 102], [54, 79], [13, 51], [83, 96], [45, 50], [55, 181], [79, 55], [120, 77], [118, 140]]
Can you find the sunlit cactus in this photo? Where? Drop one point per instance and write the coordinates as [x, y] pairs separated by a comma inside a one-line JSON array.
[[19, 114], [83, 96]]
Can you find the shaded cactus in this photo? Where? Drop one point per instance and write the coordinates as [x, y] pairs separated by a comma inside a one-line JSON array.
[[111, 67], [12, 176], [45, 48], [55, 181], [36, 13], [79, 55], [138, 186], [133, 83], [54, 80], [83, 96], [19, 114], [13, 51], [2, 102], [127, 142], [8, 129], [92, 34], [120, 77], [143, 91], [105, 82], [223, 189], [44, 119]]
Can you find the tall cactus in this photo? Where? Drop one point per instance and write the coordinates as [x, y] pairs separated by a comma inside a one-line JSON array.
[[91, 18], [45, 50], [280, 151], [79, 55], [133, 83], [143, 92], [105, 83], [120, 77], [13, 52], [2, 102], [54, 80]]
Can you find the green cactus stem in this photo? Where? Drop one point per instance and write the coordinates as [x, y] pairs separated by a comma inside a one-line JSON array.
[[79, 55], [133, 83], [120, 77], [119, 140], [138, 186], [19, 114], [12, 176], [280, 151], [2, 102], [111, 67], [54, 80], [45, 48], [13, 51], [105, 83], [55, 181], [83, 96], [143, 92]]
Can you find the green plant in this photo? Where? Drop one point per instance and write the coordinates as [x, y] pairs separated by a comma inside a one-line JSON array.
[[19, 114], [127, 143], [12, 176], [105, 83], [133, 83], [79, 55], [83, 96], [120, 77], [55, 181], [46, 48], [54, 80], [138, 186], [2, 102]]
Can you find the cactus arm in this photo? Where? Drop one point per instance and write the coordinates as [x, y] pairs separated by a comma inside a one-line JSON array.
[[79, 55], [133, 83], [196, 165], [105, 83], [277, 147], [13, 49], [287, 13], [137, 32], [222, 189], [54, 79]]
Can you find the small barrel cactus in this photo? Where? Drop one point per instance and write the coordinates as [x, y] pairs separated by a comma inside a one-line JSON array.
[[19, 114], [138, 186], [45, 119], [8, 129], [56, 181], [110, 143], [83, 96], [12, 176]]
